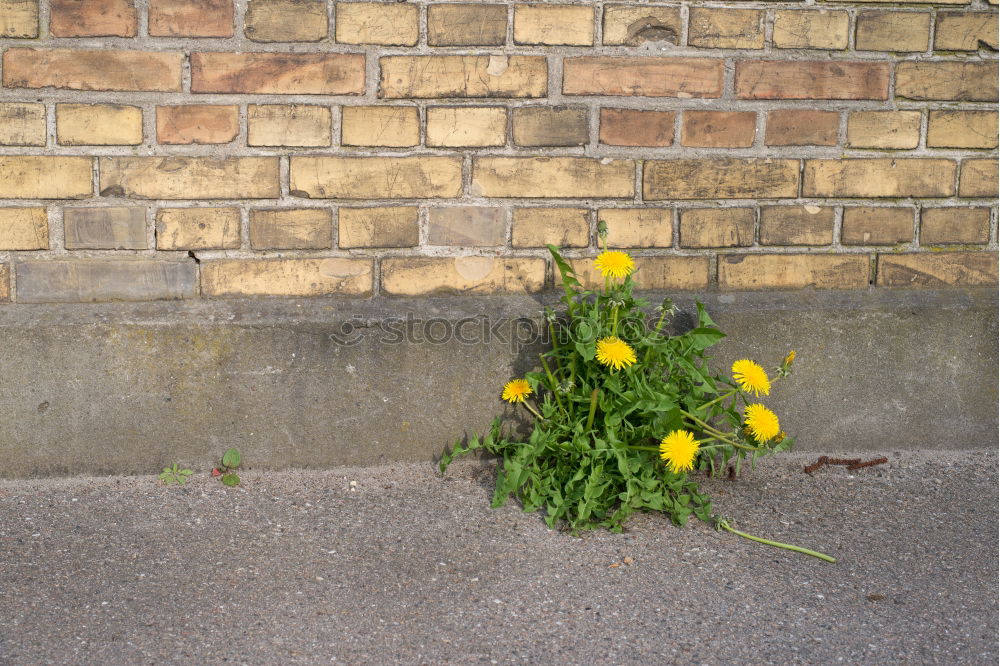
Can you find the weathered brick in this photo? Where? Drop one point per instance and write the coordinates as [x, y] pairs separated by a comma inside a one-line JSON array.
[[278, 73], [801, 127], [893, 31], [963, 81], [793, 79], [385, 23], [717, 227], [823, 29], [551, 126], [191, 18], [896, 130], [796, 225], [965, 31], [937, 269], [562, 227], [288, 125], [554, 25], [413, 276], [45, 177], [22, 124], [718, 129], [291, 229], [631, 127], [726, 28], [793, 271], [384, 226], [552, 177], [915, 2], [286, 21], [19, 19], [630, 25], [463, 76], [954, 225], [190, 177], [869, 225], [109, 228], [652, 273], [24, 229], [98, 125], [466, 25], [286, 277], [878, 178], [723, 178], [467, 226], [389, 126], [638, 227], [463, 126], [425, 177], [643, 77], [198, 229], [4, 283], [86, 281], [93, 18], [76, 69], [197, 123], [962, 129], [978, 178]]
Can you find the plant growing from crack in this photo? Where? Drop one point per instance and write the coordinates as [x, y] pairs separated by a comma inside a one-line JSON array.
[[230, 461], [174, 474]]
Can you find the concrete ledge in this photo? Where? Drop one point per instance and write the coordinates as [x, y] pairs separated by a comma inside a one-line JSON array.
[[128, 387]]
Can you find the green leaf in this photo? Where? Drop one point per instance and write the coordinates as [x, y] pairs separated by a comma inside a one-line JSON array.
[[231, 459], [230, 479], [703, 338]]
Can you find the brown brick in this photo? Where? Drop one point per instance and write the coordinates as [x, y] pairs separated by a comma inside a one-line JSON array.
[[93, 18], [198, 229], [642, 77], [638, 227], [288, 125], [384, 226], [98, 125], [86, 281], [793, 271], [810, 29], [412, 276], [552, 177], [878, 178], [916, 2], [965, 31], [554, 25], [463, 76], [630, 127], [964, 81], [551, 126], [652, 273], [466, 25], [562, 227], [978, 178], [796, 225], [866, 225], [191, 18], [425, 177], [467, 226], [463, 126], [286, 21], [723, 178], [45, 177], [109, 228], [718, 129], [962, 129], [278, 73], [717, 227], [390, 126], [4, 282], [22, 124], [385, 23], [190, 177], [801, 127], [937, 269], [197, 123], [76, 69], [291, 229], [792, 79], [18, 19], [286, 277], [24, 229], [954, 225], [896, 130], [893, 31], [630, 25], [726, 28]]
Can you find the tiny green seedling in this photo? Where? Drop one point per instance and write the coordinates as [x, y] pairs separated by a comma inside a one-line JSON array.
[[174, 474], [230, 461]]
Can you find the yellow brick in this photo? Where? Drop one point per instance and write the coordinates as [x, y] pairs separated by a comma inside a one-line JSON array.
[[717, 227], [969, 81], [36, 177], [286, 277], [978, 178], [291, 229], [810, 29], [389, 126], [384, 226], [462, 126], [18, 19], [552, 177], [198, 229], [466, 24], [463, 76], [24, 229], [411, 276], [638, 227], [893, 31], [466, 226], [297, 125], [878, 178], [550, 126], [554, 25], [796, 225], [286, 20], [562, 227], [22, 124], [190, 177], [954, 225], [651, 273], [962, 129], [4, 283], [98, 125], [793, 271], [385, 23], [884, 129], [937, 269], [726, 28], [630, 25], [723, 178], [965, 31], [376, 177], [869, 225]]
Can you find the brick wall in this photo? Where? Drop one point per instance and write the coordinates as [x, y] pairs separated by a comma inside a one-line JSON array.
[[154, 149]]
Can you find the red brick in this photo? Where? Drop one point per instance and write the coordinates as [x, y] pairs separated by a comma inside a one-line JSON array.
[[196, 123], [93, 18], [643, 77], [790, 79], [801, 127], [92, 70], [278, 73], [191, 18], [718, 129], [629, 127]]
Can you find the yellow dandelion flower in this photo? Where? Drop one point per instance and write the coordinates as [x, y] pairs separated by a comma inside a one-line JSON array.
[[679, 449], [751, 377], [762, 422], [615, 353], [516, 390], [614, 264], [789, 359]]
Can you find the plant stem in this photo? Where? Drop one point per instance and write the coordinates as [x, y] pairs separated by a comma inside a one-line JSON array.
[[656, 331], [709, 429], [777, 544], [532, 410], [593, 409], [552, 382], [721, 397], [614, 320]]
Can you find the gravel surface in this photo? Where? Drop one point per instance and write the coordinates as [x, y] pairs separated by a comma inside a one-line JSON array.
[[395, 564]]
